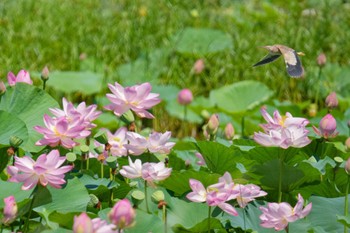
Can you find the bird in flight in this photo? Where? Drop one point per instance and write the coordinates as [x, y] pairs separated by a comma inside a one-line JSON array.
[[290, 56]]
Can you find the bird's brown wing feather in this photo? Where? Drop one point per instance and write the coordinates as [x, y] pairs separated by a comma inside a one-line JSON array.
[[293, 63]]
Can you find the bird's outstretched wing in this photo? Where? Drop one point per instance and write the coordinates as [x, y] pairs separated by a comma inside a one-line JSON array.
[[293, 63], [267, 59]]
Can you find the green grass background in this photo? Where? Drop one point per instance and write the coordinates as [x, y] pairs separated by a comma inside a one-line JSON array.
[[35, 33]]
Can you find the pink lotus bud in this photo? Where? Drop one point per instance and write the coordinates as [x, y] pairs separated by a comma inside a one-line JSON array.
[[198, 66], [229, 131], [321, 59], [122, 214], [82, 224], [328, 126], [213, 124], [347, 166], [10, 210], [347, 143], [45, 74], [185, 97], [2, 88], [331, 100]]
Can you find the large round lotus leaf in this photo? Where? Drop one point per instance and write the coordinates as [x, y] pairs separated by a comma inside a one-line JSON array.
[[240, 97], [29, 104], [85, 82], [202, 41], [11, 125]]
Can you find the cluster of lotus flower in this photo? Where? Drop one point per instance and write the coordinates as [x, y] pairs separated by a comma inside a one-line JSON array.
[[71, 123]]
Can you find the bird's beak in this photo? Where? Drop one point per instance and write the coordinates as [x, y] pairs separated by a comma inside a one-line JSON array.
[[301, 53]]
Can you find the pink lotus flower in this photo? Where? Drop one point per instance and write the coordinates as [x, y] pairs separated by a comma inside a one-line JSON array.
[[59, 131], [118, 141], [84, 224], [122, 214], [137, 98], [155, 143], [85, 114], [137, 143], [45, 170], [22, 77], [247, 193], [133, 171], [283, 131], [278, 215], [155, 171], [10, 210], [215, 195], [327, 127], [148, 171]]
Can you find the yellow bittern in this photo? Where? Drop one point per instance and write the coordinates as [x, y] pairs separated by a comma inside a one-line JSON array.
[[291, 58]]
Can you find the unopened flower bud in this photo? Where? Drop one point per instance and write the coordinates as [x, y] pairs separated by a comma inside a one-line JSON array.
[[347, 143], [2, 88], [158, 196], [328, 124], [331, 100], [82, 224], [10, 210], [213, 124], [198, 66], [229, 131], [327, 127], [122, 214], [201, 161], [15, 141], [45, 74], [321, 59], [185, 97], [347, 166]]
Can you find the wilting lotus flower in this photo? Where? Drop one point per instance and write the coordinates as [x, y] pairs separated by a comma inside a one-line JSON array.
[[155, 143], [45, 170], [59, 131], [215, 195], [283, 131], [84, 224], [247, 193], [22, 77], [148, 171], [278, 215], [122, 214], [327, 127], [137, 98], [10, 210]]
